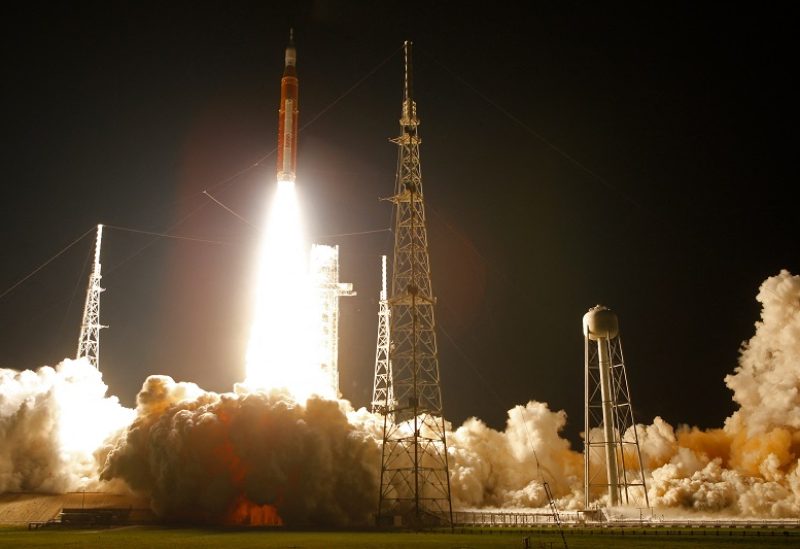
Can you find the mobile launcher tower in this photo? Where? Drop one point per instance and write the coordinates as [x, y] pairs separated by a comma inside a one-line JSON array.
[[324, 270], [612, 459]]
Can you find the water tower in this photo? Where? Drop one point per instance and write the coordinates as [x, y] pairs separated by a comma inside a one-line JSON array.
[[612, 459]]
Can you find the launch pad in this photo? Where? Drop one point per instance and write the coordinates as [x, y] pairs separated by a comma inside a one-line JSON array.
[[81, 509]]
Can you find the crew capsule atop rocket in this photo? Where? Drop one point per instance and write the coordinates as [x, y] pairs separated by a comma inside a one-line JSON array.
[[287, 122]]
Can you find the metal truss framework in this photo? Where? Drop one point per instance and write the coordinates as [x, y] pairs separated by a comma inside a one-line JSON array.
[[324, 267], [382, 391], [415, 481], [89, 339], [606, 354]]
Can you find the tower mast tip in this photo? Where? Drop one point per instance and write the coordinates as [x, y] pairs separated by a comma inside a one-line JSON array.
[[407, 87]]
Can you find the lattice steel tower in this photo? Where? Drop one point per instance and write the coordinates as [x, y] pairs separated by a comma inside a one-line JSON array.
[[324, 269], [415, 481], [612, 459], [382, 391], [89, 340]]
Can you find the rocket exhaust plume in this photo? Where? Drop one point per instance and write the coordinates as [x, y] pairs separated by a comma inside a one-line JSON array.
[[278, 355]]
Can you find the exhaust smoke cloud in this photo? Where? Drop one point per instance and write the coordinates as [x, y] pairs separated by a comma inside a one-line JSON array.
[[258, 457], [749, 467], [245, 458], [52, 420]]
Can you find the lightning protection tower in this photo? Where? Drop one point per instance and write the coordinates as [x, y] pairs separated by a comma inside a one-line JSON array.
[[382, 392], [415, 481], [89, 340], [612, 459]]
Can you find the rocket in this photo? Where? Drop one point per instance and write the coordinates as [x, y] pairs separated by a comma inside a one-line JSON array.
[[287, 121]]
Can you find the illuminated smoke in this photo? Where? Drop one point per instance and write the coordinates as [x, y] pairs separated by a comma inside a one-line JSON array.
[[750, 466], [52, 420], [245, 458], [258, 457], [766, 385], [507, 469]]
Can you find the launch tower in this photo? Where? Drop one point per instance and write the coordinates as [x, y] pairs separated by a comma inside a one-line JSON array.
[[89, 340], [415, 481], [324, 269], [612, 459]]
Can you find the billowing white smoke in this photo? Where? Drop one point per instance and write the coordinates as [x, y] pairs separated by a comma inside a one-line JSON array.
[[51, 422], [507, 469], [767, 382], [235, 458], [750, 466], [259, 458]]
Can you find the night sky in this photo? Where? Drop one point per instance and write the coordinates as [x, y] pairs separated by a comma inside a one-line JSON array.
[[635, 156]]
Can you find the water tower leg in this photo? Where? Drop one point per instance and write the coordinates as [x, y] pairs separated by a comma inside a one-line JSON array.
[[608, 421]]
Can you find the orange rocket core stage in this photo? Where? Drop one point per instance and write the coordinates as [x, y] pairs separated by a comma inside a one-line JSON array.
[[287, 120]]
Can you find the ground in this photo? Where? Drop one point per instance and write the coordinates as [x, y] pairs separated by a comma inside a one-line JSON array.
[[140, 537]]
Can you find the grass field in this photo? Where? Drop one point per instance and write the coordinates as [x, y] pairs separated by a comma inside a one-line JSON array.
[[174, 538]]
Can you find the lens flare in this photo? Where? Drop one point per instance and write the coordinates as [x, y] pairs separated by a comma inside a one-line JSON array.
[[284, 348]]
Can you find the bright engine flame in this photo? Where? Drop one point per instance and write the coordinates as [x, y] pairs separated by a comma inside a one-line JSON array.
[[284, 349]]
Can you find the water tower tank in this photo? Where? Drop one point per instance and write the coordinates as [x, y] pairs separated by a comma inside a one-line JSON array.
[[600, 322]]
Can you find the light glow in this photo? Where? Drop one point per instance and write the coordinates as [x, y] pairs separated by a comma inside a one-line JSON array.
[[284, 348], [86, 417]]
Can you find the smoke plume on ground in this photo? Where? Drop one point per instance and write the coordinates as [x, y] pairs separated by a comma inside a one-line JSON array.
[[490, 468], [749, 467], [51, 422], [251, 457], [245, 458]]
